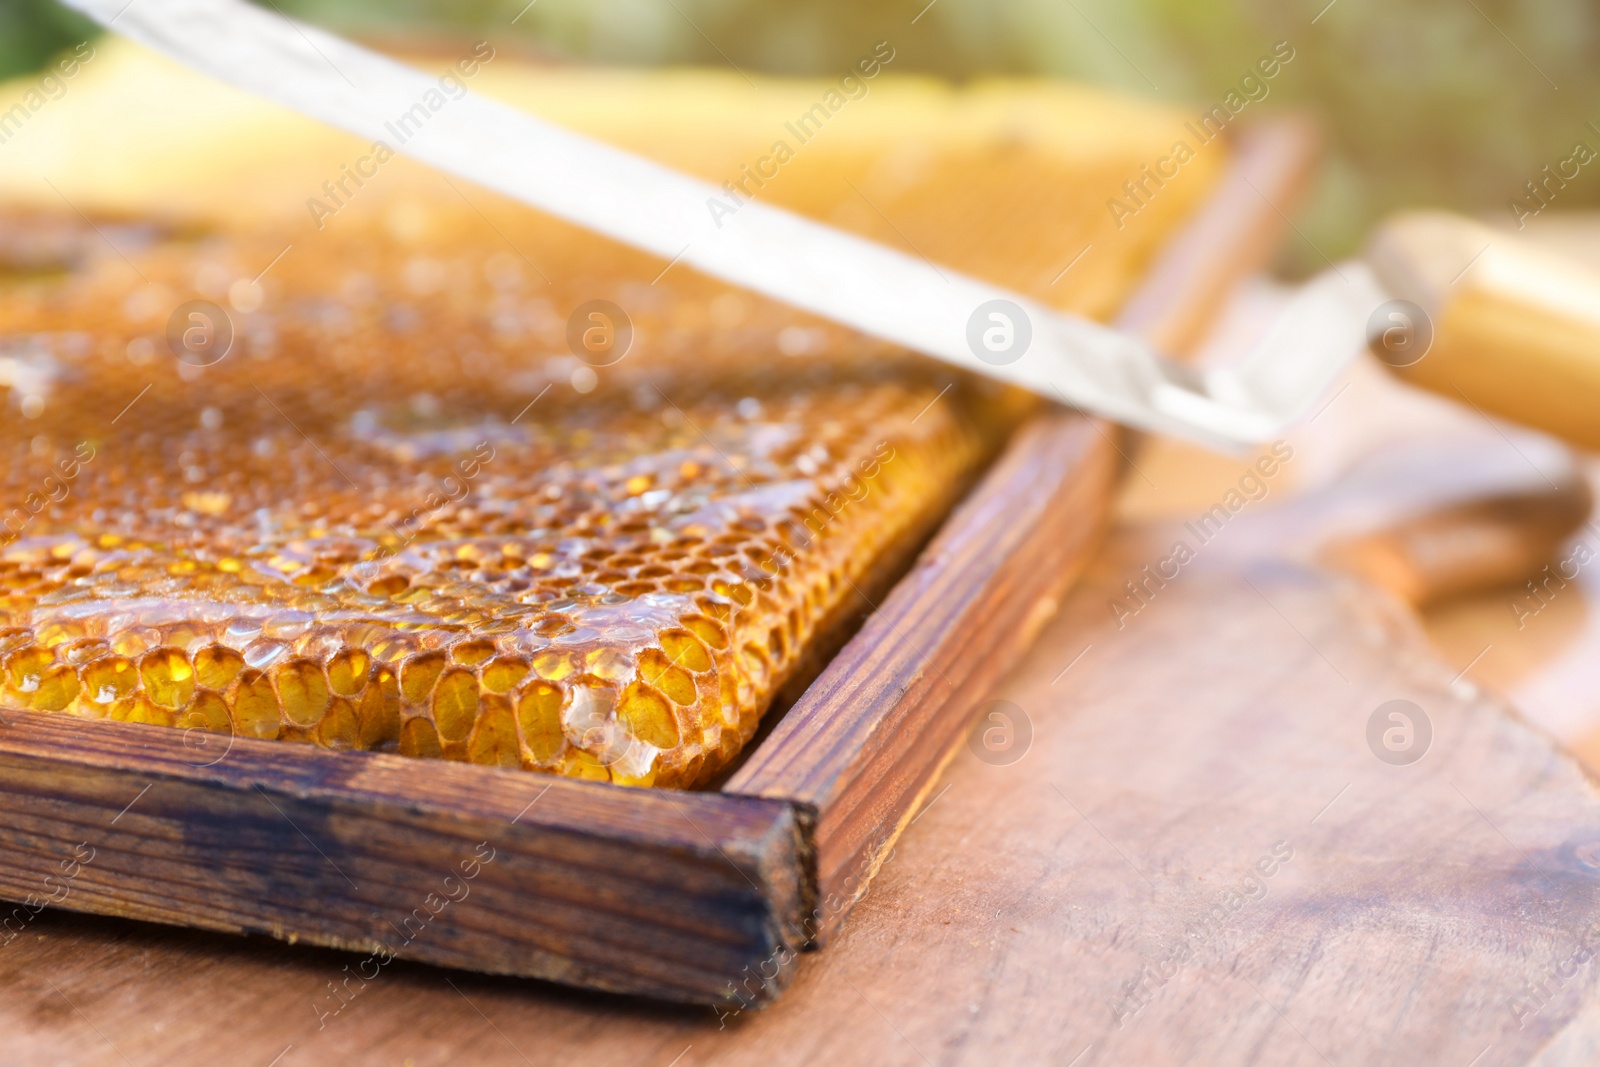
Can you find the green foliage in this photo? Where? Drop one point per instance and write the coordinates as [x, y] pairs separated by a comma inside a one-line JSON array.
[[31, 31], [1425, 102]]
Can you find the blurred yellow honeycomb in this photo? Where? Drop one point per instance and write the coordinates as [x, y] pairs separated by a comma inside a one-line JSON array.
[[399, 513]]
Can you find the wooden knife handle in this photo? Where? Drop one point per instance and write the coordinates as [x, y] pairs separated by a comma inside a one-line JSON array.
[[1432, 518], [1515, 328], [1470, 548]]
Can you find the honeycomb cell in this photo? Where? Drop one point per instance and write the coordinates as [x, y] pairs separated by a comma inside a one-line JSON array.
[[59, 633], [58, 687], [80, 652], [390, 585], [216, 666], [577, 763], [455, 704], [255, 706], [25, 666], [647, 715], [753, 661], [208, 711], [494, 735], [378, 710], [418, 675], [340, 726], [347, 671], [302, 691], [141, 709], [554, 666], [109, 679], [471, 653], [686, 651], [739, 593], [539, 718], [167, 677], [420, 740], [659, 671], [503, 673]]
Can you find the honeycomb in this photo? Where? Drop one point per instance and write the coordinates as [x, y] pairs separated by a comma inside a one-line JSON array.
[[399, 509], [377, 524]]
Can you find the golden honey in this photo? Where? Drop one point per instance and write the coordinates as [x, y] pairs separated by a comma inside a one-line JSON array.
[[387, 519]]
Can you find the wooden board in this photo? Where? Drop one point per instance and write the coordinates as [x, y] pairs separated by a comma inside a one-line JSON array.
[[1419, 903], [698, 897]]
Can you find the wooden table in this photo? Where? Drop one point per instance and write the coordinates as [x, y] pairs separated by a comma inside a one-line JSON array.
[[1195, 857]]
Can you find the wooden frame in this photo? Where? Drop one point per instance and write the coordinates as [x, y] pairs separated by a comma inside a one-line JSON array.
[[695, 897]]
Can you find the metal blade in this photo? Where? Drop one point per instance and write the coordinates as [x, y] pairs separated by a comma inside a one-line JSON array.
[[882, 292]]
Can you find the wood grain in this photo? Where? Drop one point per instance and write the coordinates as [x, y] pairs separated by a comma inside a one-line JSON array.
[[869, 737], [1516, 327], [1417, 906], [641, 891]]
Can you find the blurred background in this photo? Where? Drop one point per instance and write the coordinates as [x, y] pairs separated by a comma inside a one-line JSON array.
[[1455, 103]]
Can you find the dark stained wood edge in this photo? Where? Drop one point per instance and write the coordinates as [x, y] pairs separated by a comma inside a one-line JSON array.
[[867, 741], [677, 896]]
